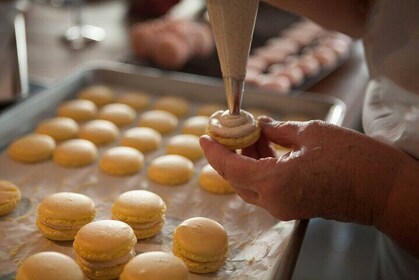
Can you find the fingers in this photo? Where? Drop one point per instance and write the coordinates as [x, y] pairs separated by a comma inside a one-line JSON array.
[[260, 149], [247, 195], [282, 133], [237, 169]]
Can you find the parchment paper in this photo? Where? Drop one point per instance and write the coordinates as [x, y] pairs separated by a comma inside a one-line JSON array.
[[257, 240]]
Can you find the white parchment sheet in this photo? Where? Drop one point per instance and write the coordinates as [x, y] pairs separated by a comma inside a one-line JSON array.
[[257, 240]]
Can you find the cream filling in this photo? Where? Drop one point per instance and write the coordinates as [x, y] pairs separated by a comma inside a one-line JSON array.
[[145, 225], [63, 227], [223, 124], [107, 264]]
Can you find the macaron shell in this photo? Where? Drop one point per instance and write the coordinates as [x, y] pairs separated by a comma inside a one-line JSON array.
[[100, 95], [189, 235], [102, 274], [49, 265], [104, 240], [59, 128], [32, 148], [9, 197], [67, 206], [200, 267], [79, 110], [170, 170], [138, 206], [55, 234], [175, 105], [155, 266], [99, 132], [75, 153], [195, 125], [121, 161], [120, 114], [144, 139], [211, 181], [148, 232], [186, 145], [162, 121], [237, 143], [136, 100]]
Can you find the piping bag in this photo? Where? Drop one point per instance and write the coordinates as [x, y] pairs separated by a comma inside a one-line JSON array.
[[232, 24]]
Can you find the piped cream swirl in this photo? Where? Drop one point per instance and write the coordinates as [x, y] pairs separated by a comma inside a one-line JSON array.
[[225, 125]]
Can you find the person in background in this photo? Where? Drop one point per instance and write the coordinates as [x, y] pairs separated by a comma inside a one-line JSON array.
[[337, 173]]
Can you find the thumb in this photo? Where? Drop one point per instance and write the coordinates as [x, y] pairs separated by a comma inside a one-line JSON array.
[[281, 133]]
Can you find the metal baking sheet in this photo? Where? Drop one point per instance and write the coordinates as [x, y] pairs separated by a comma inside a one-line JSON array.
[[260, 246]]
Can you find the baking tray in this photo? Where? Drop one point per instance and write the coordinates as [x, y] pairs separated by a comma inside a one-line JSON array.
[[272, 251]]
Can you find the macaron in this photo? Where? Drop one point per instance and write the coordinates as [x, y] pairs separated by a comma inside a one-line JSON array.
[[98, 94], [75, 153], [195, 125], [61, 215], [9, 197], [178, 106], [99, 132], [104, 247], [162, 121], [186, 145], [201, 243], [137, 100], [144, 139], [79, 110], [32, 148], [144, 211], [155, 266], [121, 161], [120, 114], [59, 128], [49, 265], [170, 170], [211, 181]]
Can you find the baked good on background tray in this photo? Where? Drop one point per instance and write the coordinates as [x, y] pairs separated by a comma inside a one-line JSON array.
[[162, 121], [211, 181], [155, 266], [201, 243], [195, 125], [186, 145], [170, 170], [79, 110], [120, 114], [99, 132], [32, 148], [178, 106], [120, 161], [49, 265], [144, 139], [75, 153], [144, 211], [137, 100], [9, 197], [104, 247], [61, 215], [100, 95], [233, 131], [59, 128]]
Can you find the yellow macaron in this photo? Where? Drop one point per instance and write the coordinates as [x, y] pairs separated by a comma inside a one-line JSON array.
[[195, 125], [98, 94], [118, 113], [104, 247], [120, 161], [211, 181], [162, 121], [99, 132], [79, 110], [201, 243], [176, 105], [9, 197], [170, 170], [143, 210], [61, 215], [144, 139], [75, 153], [59, 128], [137, 100], [32, 148], [49, 265], [155, 266], [186, 145]]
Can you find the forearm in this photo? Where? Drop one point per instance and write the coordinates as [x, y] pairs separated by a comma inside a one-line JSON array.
[[400, 218], [347, 16]]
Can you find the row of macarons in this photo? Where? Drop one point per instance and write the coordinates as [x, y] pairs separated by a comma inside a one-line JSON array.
[[300, 52], [103, 247]]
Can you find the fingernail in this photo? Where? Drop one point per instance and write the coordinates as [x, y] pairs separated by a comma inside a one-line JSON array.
[[204, 139], [265, 119]]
